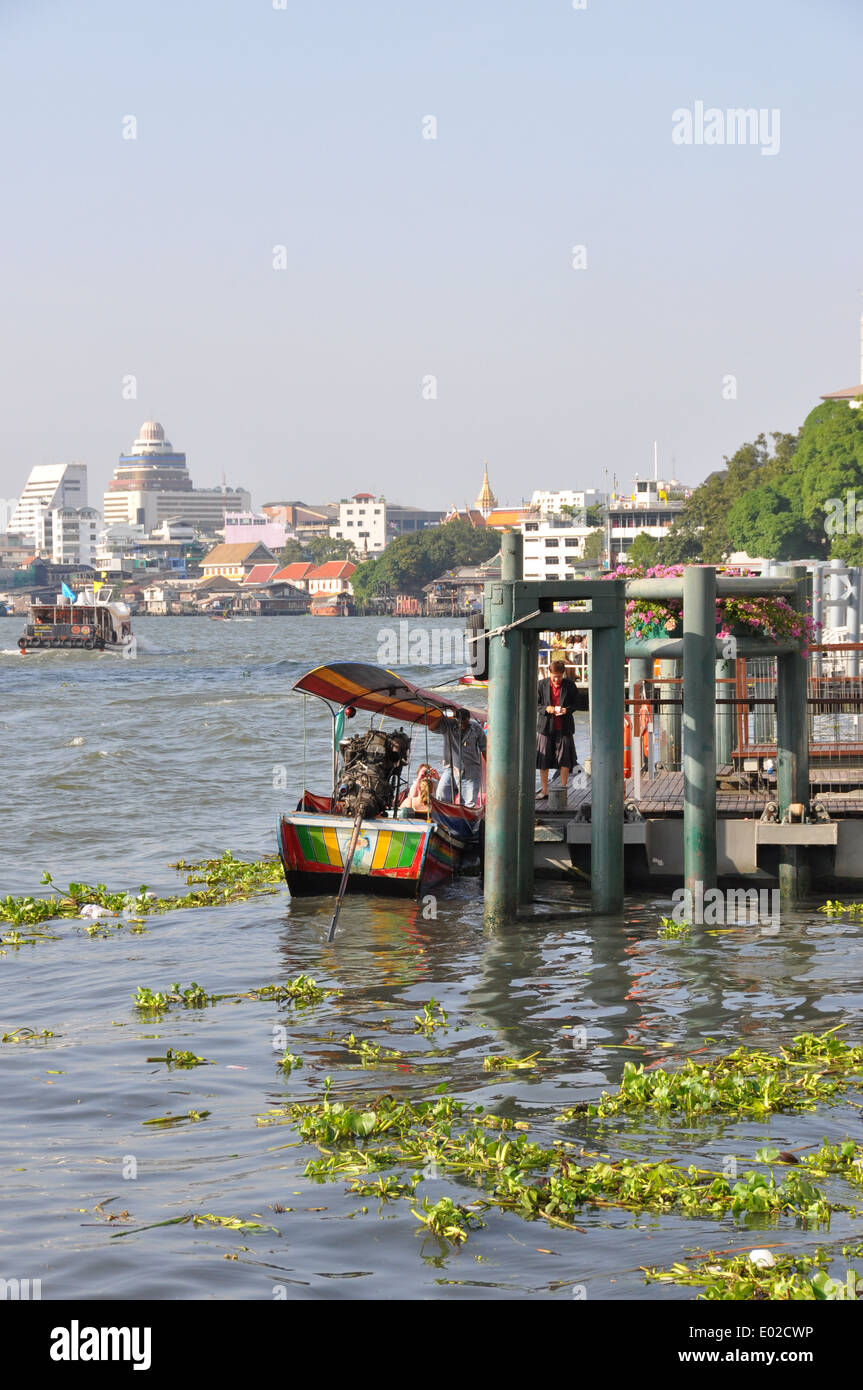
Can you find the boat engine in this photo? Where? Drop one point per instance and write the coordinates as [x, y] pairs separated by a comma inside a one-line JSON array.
[[370, 772]]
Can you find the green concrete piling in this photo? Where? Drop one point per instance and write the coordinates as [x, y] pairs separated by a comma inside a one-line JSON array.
[[724, 713], [527, 778], [699, 732], [792, 759], [606, 752], [669, 716], [500, 884]]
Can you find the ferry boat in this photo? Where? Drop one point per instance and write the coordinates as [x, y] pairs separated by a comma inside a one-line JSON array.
[[92, 621], [357, 821]]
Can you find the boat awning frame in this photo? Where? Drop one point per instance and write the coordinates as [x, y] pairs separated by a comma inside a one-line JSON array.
[[379, 691]]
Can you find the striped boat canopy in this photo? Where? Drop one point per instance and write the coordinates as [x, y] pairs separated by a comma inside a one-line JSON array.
[[381, 691]]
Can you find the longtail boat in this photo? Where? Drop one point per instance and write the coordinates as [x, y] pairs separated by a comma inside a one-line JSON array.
[[357, 818]]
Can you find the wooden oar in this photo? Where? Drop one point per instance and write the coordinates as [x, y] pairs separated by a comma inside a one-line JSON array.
[[344, 883]]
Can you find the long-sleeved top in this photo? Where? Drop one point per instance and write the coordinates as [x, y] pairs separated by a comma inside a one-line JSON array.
[[472, 747], [568, 700]]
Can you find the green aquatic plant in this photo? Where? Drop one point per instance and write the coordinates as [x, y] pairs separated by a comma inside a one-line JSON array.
[[303, 990], [510, 1063], [447, 1219], [232, 1223], [814, 1068], [428, 1020], [289, 1062], [835, 908], [369, 1052], [180, 1059], [224, 880], [257, 876], [758, 1274], [669, 929], [25, 1035], [193, 997], [193, 1115]]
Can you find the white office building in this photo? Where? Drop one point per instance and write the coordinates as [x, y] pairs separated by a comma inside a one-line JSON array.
[[552, 547], [69, 535], [363, 522], [49, 486], [577, 501]]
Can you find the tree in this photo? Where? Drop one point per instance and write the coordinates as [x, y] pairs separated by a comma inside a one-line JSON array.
[[322, 548], [594, 516], [701, 530], [292, 552], [594, 544], [830, 459], [644, 550], [765, 522], [411, 561]]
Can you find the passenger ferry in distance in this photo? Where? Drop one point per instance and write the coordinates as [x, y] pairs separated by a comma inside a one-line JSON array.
[[92, 621]]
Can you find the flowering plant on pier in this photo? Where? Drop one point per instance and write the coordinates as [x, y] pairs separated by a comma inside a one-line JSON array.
[[767, 619]]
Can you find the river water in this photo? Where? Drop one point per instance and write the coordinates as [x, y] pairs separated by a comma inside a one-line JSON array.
[[114, 768]]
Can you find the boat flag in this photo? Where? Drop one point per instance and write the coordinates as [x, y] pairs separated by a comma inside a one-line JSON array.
[[67, 592], [97, 585]]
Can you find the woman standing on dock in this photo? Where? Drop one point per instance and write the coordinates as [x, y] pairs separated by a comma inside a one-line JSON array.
[[555, 746]]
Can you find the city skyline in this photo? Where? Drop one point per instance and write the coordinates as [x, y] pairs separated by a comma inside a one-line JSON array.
[[271, 228]]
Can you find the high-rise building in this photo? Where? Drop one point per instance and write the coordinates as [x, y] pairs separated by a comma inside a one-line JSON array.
[[49, 486], [151, 483], [68, 535]]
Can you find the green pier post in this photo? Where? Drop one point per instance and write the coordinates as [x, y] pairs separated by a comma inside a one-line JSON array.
[[607, 675], [500, 883], [724, 713], [699, 728], [792, 760], [669, 717], [527, 778]]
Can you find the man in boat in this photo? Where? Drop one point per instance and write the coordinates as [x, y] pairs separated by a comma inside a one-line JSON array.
[[464, 745]]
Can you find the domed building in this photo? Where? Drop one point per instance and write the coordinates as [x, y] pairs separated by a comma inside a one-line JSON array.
[[151, 484]]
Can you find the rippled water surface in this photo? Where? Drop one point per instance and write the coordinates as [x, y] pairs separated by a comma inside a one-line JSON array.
[[114, 768]]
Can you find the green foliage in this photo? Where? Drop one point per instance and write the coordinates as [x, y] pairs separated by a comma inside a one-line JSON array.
[[447, 1219], [411, 561], [510, 1063], [744, 1082], [370, 1053], [790, 1278], [594, 545], [428, 1020], [701, 531], [180, 1059], [319, 549], [670, 929], [830, 459], [643, 551], [292, 554]]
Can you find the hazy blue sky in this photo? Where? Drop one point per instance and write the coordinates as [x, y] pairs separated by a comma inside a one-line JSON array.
[[406, 257]]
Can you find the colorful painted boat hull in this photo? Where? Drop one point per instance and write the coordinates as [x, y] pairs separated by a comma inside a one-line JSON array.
[[402, 857]]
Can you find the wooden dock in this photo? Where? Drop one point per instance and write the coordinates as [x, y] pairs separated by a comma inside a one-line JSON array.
[[839, 791]]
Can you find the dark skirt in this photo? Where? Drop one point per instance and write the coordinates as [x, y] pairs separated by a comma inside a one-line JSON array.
[[555, 750]]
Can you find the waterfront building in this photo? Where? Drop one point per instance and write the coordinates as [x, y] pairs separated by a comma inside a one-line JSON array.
[[303, 520], [461, 590], [402, 521], [152, 483], [332, 578], [574, 500], [296, 574], [251, 526], [552, 546], [68, 535], [363, 522], [50, 487], [235, 561], [652, 506]]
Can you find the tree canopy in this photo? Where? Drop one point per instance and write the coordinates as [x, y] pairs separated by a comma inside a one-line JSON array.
[[412, 560]]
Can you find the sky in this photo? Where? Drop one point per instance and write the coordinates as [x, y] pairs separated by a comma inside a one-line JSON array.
[[228, 215]]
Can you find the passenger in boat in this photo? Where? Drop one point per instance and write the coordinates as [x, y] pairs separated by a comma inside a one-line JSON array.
[[555, 746], [464, 745], [417, 799]]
